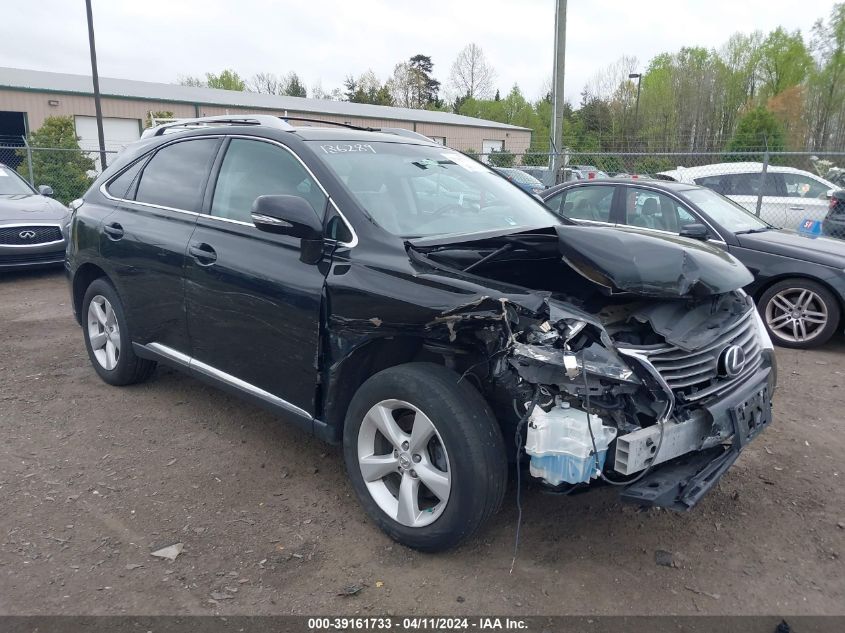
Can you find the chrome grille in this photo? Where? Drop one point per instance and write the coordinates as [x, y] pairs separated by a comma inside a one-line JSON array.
[[29, 235], [695, 375]]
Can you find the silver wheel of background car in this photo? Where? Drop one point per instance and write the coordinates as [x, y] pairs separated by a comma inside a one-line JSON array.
[[404, 463], [796, 314], [103, 332]]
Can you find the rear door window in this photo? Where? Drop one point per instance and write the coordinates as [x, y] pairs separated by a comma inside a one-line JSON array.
[[585, 203], [800, 186], [176, 175], [747, 184], [124, 185]]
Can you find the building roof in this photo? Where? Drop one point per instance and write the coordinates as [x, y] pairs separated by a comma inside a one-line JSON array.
[[42, 81]]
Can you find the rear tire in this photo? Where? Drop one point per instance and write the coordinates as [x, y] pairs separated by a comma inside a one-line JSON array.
[[433, 453], [799, 313], [107, 337]]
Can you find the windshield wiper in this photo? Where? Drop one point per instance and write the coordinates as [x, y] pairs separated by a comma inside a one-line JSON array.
[[758, 230], [487, 258]]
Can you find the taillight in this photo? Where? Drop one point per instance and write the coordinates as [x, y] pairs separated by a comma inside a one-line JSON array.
[[832, 202]]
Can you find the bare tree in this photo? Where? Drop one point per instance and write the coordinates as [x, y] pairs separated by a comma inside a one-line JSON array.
[[472, 75], [265, 83], [402, 85]]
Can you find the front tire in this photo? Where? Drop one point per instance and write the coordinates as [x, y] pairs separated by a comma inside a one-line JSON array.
[[425, 455], [799, 313], [107, 337]]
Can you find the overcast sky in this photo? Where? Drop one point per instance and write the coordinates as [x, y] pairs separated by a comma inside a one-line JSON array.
[[326, 40]]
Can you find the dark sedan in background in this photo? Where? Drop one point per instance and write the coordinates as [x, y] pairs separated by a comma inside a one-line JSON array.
[[799, 280], [834, 222], [31, 224]]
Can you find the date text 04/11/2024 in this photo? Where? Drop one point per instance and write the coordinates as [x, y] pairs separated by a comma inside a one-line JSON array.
[[418, 624]]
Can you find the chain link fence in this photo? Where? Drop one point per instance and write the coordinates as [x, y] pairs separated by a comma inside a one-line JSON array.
[[67, 171], [791, 190], [788, 189]]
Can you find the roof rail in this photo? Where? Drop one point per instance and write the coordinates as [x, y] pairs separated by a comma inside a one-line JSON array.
[[224, 119], [399, 131], [348, 125]]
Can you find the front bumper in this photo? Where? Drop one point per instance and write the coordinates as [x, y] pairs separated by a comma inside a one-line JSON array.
[[32, 258], [680, 484]]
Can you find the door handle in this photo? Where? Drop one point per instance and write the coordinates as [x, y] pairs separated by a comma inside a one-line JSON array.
[[796, 208], [114, 231], [203, 253]]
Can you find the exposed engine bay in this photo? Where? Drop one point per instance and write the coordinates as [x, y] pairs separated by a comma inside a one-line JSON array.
[[611, 366]]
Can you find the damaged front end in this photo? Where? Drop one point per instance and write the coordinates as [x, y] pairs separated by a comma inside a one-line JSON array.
[[640, 361]]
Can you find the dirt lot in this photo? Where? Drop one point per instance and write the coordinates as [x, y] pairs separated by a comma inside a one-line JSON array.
[[93, 478]]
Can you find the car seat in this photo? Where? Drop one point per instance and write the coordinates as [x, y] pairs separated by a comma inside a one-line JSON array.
[[584, 210], [652, 214]]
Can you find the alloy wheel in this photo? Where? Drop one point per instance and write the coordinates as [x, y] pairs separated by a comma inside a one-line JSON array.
[[797, 315], [404, 463], [103, 332]]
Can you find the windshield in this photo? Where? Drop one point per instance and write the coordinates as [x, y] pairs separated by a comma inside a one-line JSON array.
[[11, 184], [421, 191], [724, 211]]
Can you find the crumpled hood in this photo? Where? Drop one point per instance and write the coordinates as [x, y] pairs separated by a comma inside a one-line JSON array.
[[639, 262], [26, 208]]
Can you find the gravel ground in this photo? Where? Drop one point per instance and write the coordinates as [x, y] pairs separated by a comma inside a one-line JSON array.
[[94, 478]]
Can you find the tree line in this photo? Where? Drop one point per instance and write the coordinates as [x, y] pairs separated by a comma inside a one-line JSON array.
[[779, 90]]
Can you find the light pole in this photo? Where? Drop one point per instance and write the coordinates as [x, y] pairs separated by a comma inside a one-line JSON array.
[[98, 111], [558, 102], [638, 77]]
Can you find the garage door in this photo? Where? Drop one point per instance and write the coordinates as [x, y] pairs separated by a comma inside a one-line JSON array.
[[118, 133], [490, 145]]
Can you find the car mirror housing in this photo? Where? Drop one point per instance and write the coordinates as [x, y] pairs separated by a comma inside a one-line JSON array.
[[695, 231], [46, 190], [287, 215]]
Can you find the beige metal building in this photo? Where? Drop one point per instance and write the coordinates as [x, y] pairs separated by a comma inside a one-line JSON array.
[[27, 97]]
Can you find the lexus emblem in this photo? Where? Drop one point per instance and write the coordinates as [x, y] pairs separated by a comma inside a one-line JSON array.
[[731, 361], [26, 235]]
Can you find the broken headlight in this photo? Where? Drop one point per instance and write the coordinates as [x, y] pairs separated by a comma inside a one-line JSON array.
[[546, 365]]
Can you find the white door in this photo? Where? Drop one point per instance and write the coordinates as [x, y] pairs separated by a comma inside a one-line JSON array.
[[490, 145], [117, 134]]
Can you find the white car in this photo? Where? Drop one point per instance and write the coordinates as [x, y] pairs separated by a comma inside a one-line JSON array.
[[790, 195]]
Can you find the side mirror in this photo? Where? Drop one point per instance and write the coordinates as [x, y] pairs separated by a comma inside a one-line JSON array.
[[830, 193], [695, 231], [45, 190], [287, 215]]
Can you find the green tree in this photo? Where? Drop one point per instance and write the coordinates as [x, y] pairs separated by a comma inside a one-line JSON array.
[[784, 61], [367, 89], [826, 97], [653, 165], [226, 80], [501, 158], [292, 86], [66, 168], [158, 114], [756, 131]]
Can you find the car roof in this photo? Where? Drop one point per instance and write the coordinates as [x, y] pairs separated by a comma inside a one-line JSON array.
[[304, 128], [330, 133], [659, 185], [722, 169]]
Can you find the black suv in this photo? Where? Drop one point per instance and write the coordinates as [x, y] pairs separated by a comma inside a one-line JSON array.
[[400, 298]]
